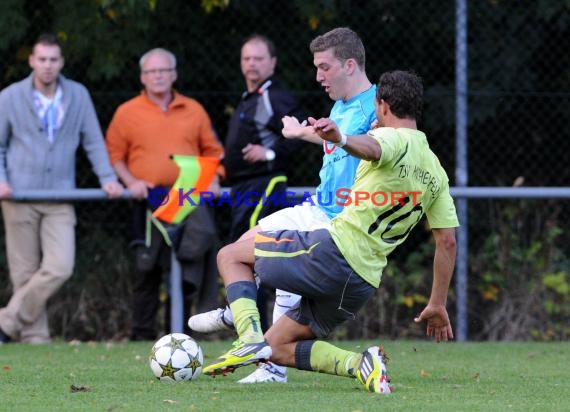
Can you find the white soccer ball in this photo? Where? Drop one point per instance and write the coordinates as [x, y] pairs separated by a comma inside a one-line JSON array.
[[176, 357]]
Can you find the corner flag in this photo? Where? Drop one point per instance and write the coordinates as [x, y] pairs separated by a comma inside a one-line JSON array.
[[196, 172]]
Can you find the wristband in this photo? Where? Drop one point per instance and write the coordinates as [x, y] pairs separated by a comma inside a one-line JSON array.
[[342, 140]]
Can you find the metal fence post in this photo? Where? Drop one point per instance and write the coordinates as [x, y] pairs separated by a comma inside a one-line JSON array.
[[461, 170], [176, 295]]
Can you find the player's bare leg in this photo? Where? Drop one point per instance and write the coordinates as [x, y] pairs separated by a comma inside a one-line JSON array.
[[293, 344], [235, 263], [218, 319]]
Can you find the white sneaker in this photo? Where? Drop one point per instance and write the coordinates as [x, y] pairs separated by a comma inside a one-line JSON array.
[[208, 322], [265, 372]]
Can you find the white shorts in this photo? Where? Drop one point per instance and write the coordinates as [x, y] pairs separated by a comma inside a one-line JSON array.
[[303, 217]]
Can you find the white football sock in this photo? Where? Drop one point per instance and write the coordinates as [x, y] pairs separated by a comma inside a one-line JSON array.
[[228, 317], [283, 302]]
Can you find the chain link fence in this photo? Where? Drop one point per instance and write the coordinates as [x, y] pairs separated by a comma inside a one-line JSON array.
[[519, 100]]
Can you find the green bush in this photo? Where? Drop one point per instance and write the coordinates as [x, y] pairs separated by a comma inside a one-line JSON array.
[[520, 274]]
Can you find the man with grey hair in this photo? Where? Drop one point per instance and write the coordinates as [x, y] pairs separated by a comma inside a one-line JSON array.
[[144, 132]]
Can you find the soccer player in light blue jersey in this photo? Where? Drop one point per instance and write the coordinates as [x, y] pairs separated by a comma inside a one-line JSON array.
[[339, 58], [337, 270]]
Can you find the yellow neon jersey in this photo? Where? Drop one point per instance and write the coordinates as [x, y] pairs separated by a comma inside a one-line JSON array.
[[388, 199]]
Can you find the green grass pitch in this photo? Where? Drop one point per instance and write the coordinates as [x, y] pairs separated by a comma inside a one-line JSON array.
[[426, 377]]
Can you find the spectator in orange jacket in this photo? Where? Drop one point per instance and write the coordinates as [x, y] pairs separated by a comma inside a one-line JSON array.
[[143, 133]]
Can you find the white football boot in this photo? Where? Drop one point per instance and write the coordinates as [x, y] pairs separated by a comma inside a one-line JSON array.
[[209, 322], [265, 373]]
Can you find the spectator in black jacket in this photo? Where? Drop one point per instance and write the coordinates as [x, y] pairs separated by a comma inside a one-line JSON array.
[[257, 155]]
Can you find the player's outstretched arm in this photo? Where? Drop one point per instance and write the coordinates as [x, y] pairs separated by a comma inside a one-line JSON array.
[[435, 313]]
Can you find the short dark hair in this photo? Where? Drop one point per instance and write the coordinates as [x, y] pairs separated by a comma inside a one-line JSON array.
[[346, 44], [403, 91], [49, 39], [264, 39]]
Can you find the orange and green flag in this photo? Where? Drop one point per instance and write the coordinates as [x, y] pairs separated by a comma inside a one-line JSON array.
[[196, 174]]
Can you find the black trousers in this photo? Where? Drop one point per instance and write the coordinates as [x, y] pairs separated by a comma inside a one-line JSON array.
[[196, 249]]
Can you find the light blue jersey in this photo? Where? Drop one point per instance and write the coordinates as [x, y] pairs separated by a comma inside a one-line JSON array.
[[339, 168]]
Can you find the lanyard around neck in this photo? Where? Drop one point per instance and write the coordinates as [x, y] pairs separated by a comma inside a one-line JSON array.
[[51, 115]]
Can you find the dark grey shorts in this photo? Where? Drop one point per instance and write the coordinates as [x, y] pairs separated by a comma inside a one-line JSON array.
[[309, 264]]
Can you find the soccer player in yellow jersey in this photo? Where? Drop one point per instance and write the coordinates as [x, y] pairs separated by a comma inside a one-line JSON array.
[[336, 271]]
